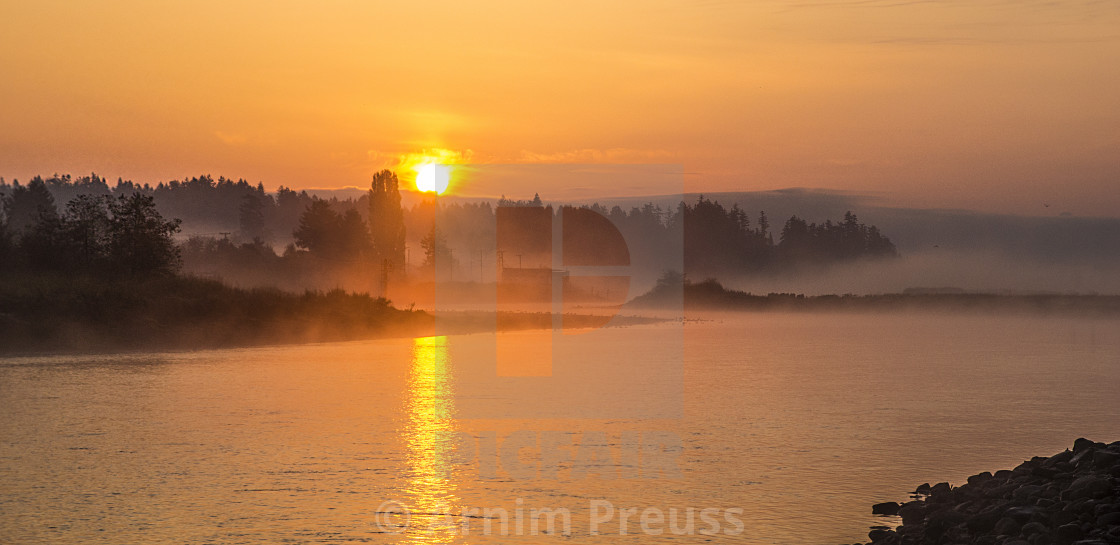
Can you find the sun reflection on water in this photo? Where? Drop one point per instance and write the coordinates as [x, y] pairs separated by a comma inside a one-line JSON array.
[[430, 438]]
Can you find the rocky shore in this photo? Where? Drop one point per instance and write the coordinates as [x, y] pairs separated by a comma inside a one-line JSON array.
[[1071, 498]]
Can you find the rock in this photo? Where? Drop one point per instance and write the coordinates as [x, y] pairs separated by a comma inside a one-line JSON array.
[[912, 512], [1061, 458], [940, 489], [1071, 498], [1041, 539], [1080, 458], [1103, 459], [1044, 472], [885, 508], [983, 523], [1081, 444], [878, 535], [1026, 492], [1067, 534], [1102, 508], [1062, 517], [1023, 514], [1089, 486], [938, 523], [1032, 528], [1108, 519], [1006, 526]]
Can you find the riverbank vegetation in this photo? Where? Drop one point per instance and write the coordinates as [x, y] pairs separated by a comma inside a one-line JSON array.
[[674, 290]]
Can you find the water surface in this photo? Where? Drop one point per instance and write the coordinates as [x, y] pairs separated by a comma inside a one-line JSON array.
[[802, 421]]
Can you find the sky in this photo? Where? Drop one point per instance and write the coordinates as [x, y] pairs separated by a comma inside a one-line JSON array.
[[992, 105]]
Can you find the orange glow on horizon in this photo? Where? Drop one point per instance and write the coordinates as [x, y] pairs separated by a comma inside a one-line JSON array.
[[970, 104], [433, 178]]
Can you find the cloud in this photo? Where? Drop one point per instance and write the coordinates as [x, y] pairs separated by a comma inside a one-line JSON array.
[[591, 155], [230, 139]]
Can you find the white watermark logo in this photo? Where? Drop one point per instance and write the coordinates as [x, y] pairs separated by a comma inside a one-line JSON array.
[[601, 517]]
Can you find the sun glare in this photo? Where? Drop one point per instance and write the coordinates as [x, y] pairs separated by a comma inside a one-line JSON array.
[[433, 178]]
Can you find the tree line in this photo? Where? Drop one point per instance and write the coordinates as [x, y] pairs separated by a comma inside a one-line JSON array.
[[93, 234], [296, 236]]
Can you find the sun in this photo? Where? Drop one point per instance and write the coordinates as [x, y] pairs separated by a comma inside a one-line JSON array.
[[432, 178]]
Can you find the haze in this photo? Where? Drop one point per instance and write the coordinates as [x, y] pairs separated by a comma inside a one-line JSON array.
[[990, 105]]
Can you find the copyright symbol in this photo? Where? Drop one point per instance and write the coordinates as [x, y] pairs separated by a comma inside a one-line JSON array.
[[392, 517]]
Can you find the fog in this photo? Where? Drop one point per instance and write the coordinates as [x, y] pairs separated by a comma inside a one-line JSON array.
[[971, 272]]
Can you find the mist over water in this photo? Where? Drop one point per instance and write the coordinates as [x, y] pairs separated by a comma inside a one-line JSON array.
[[973, 272]]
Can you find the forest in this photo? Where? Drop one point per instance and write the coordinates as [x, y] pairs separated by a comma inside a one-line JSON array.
[[239, 233]]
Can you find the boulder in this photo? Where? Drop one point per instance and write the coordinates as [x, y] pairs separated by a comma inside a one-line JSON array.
[[1032, 528], [1103, 459], [1006, 526], [1081, 444], [983, 523], [885, 508], [913, 512], [1108, 519], [1041, 539], [1023, 514], [1089, 486], [1026, 492], [880, 535], [1067, 534], [939, 522], [940, 489]]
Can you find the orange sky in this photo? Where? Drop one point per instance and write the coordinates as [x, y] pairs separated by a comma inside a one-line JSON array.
[[989, 104]]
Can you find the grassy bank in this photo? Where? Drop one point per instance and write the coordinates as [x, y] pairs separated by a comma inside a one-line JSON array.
[[65, 314], [711, 295], [49, 313]]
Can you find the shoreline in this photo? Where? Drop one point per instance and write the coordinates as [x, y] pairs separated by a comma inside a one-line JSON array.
[[1070, 498], [710, 295], [466, 323], [54, 315]]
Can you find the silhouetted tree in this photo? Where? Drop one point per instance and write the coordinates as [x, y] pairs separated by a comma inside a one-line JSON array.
[[435, 247], [251, 216], [330, 235], [86, 229], [26, 205], [318, 229], [140, 240], [386, 219]]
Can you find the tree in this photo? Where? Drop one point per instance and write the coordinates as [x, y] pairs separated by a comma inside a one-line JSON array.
[[250, 217], [386, 219], [140, 240], [330, 235], [27, 205], [353, 236], [318, 229], [86, 228], [435, 247]]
